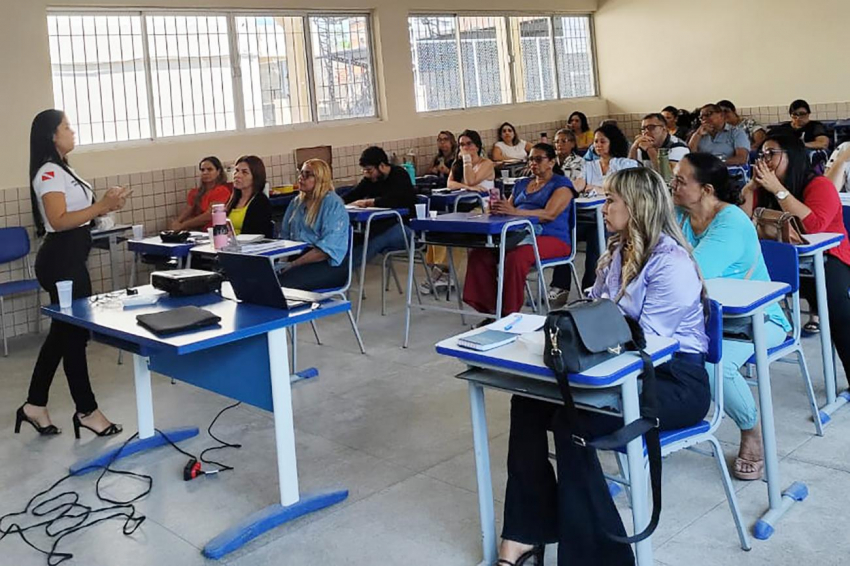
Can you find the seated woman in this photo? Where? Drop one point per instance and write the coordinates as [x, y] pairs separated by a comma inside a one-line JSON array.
[[612, 149], [471, 171], [659, 286], [510, 147], [446, 154], [783, 180], [213, 189], [570, 162], [249, 209], [577, 122], [837, 169], [726, 245], [545, 196], [812, 132], [317, 216]]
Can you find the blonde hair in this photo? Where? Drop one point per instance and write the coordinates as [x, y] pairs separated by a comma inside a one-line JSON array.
[[651, 214], [324, 185]]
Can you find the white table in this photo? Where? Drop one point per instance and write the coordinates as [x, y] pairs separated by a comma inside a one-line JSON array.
[[594, 204], [815, 249], [515, 369], [111, 236], [749, 299]]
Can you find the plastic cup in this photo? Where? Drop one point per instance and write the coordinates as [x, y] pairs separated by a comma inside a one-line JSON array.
[[432, 213], [65, 291], [210, 234], [420, 211], [504, 173], [138, 231]]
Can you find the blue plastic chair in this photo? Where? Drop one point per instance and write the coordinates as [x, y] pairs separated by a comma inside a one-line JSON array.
[[551, 263], [703, 431], [846, 210], [14, 245], [783, 265]]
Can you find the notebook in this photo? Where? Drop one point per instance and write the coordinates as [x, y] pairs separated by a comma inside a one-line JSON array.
[[172, 321], [487, 340]]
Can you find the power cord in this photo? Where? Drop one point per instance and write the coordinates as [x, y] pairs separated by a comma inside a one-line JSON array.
[[72, 516]]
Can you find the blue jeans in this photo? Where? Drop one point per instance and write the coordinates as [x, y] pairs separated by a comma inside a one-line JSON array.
[[389, 240], [738, 401]]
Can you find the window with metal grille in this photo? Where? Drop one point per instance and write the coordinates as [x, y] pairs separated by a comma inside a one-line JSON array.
[[273, 63], [98, 68], [341, 55], [469, 61]]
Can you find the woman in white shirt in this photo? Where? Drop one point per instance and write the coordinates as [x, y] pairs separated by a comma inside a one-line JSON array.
[[837, 169], [612, 147], [63, 206], [510, 147], [471, 170]]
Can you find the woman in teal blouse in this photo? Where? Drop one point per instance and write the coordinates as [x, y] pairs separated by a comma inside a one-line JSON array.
[[317, 217], [726, 245]]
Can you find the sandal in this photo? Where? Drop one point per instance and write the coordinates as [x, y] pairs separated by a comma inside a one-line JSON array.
[[811, 327], [748, 470]]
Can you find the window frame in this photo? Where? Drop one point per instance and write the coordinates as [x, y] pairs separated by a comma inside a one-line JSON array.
[[514, 52], [235, 56]]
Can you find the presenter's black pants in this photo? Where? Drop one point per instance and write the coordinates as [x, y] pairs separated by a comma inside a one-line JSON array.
[[62, 257]]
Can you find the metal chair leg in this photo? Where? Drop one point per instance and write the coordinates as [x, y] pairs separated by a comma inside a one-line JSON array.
[[316, 332], [624, 473], [813, 403], [3, 327], [577, 281], [395, 278], [730, 494], [531, 300], [356, 332]]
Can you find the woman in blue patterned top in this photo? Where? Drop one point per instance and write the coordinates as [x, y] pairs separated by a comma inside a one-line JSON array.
[[317, 217]]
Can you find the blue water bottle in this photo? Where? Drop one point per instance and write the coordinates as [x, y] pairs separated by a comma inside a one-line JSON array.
[[411, 170]]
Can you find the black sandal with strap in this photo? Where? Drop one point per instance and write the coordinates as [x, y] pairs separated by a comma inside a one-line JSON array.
[[111, 430], [537, 553]]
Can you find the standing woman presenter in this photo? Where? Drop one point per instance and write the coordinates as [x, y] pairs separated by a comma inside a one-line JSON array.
[[64, 206]]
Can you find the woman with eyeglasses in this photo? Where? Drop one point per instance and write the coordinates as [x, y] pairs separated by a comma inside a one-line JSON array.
[[317, 216], [510, 147], [812, 132], [545, 196], [725, 244], [783, 180], [471, 170], [446, 154]]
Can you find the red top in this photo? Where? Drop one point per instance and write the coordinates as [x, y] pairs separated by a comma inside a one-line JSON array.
[[220, 194]]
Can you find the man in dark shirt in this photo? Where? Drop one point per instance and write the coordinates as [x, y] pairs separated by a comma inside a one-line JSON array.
[[384, 186]]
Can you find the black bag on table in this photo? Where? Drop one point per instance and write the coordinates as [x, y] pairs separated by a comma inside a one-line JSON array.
[[587, 333]]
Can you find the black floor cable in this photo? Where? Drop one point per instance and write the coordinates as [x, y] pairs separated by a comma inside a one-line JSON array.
[[71, 516]]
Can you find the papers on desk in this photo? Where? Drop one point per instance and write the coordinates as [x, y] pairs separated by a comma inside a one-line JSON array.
[[248, 238], [263, 245], [352, 208], [518, 323]]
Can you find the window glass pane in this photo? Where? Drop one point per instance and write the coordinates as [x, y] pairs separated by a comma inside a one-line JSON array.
[[342, 67], [485, 59], [436, 75], [273, 60], [574, 54], [191, 77], [99, 76], [534, 68]]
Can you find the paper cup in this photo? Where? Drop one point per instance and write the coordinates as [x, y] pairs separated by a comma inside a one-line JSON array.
[[65, 291], [138, 231], [432, 213], [420, 211]]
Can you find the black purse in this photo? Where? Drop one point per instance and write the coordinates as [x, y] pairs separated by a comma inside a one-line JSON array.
[[583, 335]]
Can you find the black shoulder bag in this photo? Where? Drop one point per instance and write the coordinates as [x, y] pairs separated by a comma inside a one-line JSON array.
[[585, 334]]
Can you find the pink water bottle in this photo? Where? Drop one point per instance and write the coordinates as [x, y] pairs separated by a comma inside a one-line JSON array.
[[219, 222]]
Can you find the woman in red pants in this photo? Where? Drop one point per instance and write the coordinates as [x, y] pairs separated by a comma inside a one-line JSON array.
[[545, 196]]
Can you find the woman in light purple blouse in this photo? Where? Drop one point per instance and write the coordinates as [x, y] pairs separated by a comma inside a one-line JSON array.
[[649, 272]]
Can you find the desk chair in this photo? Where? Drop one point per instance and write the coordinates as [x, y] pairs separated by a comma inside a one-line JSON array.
[[846, 211], [555, 262], [783, 265], [387, 268], [14, 245], [687, 438]]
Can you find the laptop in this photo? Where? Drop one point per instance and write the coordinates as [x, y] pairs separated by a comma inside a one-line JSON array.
[[254, 281]]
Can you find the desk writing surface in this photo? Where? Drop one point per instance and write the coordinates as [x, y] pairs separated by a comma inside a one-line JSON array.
[[155, 246], [358, 214], [282, 248], [517, 358], [238, 320], [741, 297], [467, 223], [590, 202], [821, 241]]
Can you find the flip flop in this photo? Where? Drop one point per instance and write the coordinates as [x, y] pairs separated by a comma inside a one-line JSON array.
[[757, 467], [811, 327]]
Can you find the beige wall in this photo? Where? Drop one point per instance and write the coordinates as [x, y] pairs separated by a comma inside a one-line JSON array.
[[26, 89], [754, 52]]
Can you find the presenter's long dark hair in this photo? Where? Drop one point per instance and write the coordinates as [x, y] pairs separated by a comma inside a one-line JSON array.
[[43, 150]]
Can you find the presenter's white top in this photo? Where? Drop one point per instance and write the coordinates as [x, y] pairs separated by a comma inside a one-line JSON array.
[[51, 178]]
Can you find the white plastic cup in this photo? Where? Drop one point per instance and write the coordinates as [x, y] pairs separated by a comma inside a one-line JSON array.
[[432, 214], [65, 291], [420, 211], [210, 234], [138, 231]]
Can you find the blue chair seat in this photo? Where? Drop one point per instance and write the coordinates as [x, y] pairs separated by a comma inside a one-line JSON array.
[[545, 262], [770, 351], [22, 286], [668, 437]]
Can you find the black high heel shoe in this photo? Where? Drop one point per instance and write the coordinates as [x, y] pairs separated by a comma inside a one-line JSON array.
[[21, 417], [537, 553], [111, 430]]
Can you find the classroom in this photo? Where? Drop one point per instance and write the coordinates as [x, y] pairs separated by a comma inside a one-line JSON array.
[[572, 282]]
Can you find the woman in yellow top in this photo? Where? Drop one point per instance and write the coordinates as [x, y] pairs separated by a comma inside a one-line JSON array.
[[577, 122], [249, 209]]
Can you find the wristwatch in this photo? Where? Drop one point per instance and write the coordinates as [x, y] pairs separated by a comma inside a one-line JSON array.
[[782, 195]]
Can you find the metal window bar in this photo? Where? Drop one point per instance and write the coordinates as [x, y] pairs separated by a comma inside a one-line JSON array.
[[436, 62], [574, 56]]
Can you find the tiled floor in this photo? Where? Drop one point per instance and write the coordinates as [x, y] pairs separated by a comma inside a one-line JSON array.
[[393, 428]]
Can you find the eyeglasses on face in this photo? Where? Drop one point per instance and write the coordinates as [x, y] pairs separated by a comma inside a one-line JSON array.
[[799, 114], [538, 158], [443, 139], [706, 115], [768, 154], [650, 128]]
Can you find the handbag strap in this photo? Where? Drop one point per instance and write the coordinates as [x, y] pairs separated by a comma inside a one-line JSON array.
[[646, 426]]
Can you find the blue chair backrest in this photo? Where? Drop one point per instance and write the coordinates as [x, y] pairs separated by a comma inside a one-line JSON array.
[[14, 244], [846, 210], [342, 191], [782, 261], [714, 330]]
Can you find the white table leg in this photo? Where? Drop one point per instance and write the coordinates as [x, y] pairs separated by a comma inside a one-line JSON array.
[[638, 476], [481, 444], [410, 255], [284, 424], [144, 396], [113, 246], [833, 401]]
